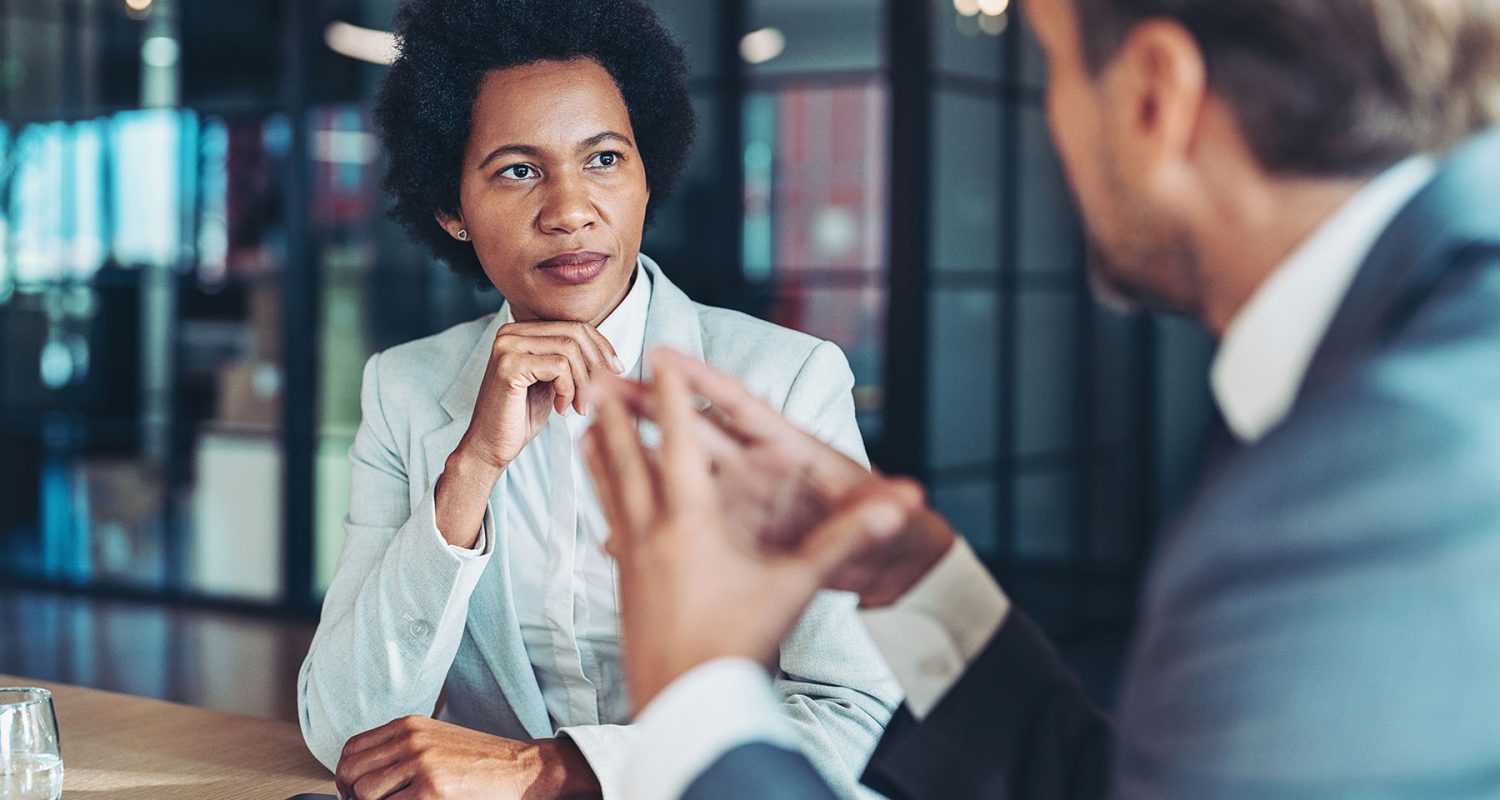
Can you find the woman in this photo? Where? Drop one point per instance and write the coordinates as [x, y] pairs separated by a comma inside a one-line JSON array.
[[528, 142]]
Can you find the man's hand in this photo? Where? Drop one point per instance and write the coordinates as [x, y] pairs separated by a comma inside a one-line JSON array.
[[776, 483], [691, 589], [417, 758]]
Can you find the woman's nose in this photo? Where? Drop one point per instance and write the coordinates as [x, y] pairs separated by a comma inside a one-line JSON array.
[[568, 209]]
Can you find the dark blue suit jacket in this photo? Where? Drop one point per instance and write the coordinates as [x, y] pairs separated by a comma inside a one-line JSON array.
[[1323, 621]]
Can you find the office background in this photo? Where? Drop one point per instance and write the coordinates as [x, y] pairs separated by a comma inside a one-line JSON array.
[[195, 263]]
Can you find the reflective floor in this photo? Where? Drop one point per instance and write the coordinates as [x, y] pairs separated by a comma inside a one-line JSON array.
[[225, 661]]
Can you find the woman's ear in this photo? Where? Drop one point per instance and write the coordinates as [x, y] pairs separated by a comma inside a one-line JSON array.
[[454, 225]]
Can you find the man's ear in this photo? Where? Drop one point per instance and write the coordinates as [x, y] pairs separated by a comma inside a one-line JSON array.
[[1158, 87], [453, 224]]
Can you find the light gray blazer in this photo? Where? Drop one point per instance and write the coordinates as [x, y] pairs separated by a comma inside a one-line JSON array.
[[407, 617]]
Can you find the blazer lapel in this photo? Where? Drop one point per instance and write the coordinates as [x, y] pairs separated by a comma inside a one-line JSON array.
[[672, 318], [492, 613], [671, 321]]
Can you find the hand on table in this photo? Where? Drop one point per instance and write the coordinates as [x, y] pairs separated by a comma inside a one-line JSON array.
[[418, 758]]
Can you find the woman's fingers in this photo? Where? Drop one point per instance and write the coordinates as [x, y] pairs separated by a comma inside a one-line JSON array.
[[561, 346], [599, 354]]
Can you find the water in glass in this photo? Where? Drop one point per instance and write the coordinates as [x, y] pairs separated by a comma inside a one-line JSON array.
[[31, 766]]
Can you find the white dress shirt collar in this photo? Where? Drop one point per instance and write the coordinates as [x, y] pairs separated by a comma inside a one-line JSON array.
[[1270, 343], [625, 327]]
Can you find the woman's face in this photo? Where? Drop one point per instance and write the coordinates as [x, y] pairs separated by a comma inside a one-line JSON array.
[[553, 193]]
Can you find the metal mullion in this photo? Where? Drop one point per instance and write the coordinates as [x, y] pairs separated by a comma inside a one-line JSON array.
[[300, 295], [729, 87], [909, 49], [1009, 327], [1084, 433]]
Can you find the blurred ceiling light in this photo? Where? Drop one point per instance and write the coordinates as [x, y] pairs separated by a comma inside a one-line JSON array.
[[137, 5], [966, 7], [993, 25], [993, 8], [761, 46], [160, 51], [364, 44]]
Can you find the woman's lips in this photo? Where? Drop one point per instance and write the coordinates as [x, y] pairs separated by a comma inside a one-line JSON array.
[[574, 268]]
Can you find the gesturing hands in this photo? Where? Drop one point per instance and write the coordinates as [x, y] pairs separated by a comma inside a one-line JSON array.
[[417, 758], [723, 537]]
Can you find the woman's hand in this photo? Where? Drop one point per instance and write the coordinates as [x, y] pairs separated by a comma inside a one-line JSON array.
[[416, 758], [535, 368]]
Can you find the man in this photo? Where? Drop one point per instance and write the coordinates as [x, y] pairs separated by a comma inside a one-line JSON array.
[[1323, 621]]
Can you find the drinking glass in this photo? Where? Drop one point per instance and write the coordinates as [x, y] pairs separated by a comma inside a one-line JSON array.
[[31, 766]]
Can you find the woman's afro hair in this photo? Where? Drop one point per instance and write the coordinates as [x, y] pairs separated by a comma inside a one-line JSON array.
[[424, 111]]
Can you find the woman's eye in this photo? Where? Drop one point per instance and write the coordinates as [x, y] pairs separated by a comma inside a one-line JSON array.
[[606, 159], [518, 172]]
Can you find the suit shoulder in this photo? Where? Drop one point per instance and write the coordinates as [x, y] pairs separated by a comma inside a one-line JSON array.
[[427, 366], [733, 339]]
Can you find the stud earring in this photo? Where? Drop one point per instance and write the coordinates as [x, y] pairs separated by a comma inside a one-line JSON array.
[[463, 234]]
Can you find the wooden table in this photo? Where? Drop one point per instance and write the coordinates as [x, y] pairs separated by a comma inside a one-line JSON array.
[[122, 747]]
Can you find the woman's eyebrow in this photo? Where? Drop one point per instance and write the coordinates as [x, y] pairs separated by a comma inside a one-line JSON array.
[[532, 151], [605, 136], [510, 149]]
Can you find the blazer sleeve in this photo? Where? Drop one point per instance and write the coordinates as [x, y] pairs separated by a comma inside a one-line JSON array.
[[756, 771], [835, 686], [394, 614], [1017, 725]]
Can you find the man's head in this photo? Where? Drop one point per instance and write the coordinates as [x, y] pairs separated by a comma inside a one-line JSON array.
[[1173, 116]]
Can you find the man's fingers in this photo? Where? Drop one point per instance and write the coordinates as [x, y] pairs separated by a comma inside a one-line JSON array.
[[734, 407], [684, 463], [749, 419], [640, 399], [608, 493], [871, 518], [619, 451]]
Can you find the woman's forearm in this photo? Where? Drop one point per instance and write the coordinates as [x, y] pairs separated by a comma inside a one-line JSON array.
[[462, 495]]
